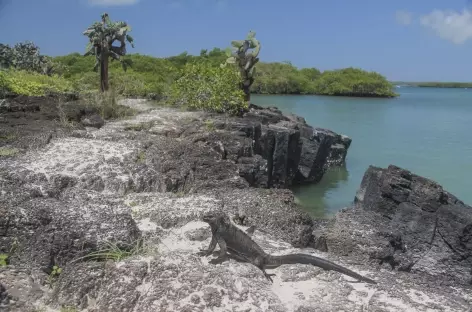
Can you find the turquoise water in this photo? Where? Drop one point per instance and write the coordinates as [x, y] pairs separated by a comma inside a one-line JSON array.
[[425, 130]]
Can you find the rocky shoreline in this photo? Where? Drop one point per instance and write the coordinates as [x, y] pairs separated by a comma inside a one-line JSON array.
[[136, 188]]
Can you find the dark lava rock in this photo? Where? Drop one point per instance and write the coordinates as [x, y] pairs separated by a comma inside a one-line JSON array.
[[408, 223], [272, 149], [94, 121], [28, 122], [4, 297], [46, 231], [271, 210]]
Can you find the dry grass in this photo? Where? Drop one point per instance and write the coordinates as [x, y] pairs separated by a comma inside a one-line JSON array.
[[106, 103]]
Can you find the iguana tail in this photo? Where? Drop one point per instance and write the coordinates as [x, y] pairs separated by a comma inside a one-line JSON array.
[[275, 261]]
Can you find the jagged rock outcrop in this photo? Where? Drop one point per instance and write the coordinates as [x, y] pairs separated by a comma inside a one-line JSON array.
[[292, 151], [405, 222]]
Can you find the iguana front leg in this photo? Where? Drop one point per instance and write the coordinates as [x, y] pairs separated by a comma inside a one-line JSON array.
[[207, 252], [223, 256]]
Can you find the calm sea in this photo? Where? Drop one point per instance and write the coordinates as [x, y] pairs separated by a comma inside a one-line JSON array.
[[425, 130]]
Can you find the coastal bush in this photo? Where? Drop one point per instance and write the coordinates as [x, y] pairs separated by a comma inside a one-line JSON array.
[[443, 84], [202, 86], [4, 89], [283, 78], [148, 75], [157, 74], [154, 77], [22, 82], [353, 82]]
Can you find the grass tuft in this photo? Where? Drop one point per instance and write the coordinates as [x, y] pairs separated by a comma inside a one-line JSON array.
[[106, 103], [115, 253], [8, 152]]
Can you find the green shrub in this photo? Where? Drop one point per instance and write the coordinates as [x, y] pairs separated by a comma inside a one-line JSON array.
[[4, 89], [353, 82], [22, 82], [283, 78], [151, 75], [133, 84], [86, 82], [203, 86], [8, 152]]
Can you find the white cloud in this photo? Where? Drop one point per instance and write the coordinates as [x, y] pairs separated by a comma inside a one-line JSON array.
[[403, 17], [450, 25], [112, 2], [218, 4]]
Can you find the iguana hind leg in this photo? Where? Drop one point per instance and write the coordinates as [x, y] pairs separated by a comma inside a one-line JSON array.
[[267, 275], [259, 262]]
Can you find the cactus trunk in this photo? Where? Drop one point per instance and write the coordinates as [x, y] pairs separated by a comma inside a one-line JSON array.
[[104, 86], [246, 86], [247, 94]]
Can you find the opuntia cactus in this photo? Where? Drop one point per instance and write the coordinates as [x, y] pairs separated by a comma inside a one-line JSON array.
[[24, 56], [245, 60], [101, 36]]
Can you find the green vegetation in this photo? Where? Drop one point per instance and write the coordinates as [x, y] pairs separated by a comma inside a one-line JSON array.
[[141, 158], [8, 152], [209, 88], [32, 83], [7, 137], [436, 84], [153, 77], [101, 36], [56, 271], [216, 80], [284, 78], [3, 260], [25, 56], [353, 82]]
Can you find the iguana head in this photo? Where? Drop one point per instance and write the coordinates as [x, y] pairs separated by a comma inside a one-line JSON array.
[[215, 217]]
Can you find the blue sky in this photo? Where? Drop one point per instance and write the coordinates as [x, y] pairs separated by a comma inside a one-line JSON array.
[[420, 40]]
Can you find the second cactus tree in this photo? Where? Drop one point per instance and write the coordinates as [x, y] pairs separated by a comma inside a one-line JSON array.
[[245, 60]]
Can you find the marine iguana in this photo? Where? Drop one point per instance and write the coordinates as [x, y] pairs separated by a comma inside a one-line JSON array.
[[238, 244]]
